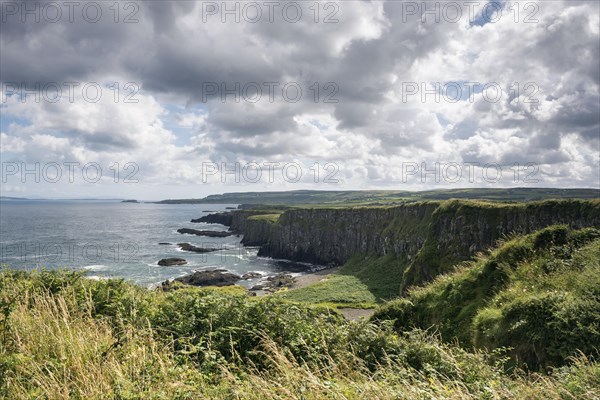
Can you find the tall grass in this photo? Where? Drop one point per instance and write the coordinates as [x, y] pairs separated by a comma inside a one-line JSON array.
[[63, 336]]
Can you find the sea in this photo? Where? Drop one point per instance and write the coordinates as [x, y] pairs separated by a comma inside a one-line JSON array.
[[113, 239]]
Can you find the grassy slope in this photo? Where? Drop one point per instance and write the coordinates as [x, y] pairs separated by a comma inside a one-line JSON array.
[[538, 294], [63, 336], [362, 282], [334, 290]]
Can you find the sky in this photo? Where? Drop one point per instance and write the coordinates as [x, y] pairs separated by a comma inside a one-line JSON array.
[[153, 100]]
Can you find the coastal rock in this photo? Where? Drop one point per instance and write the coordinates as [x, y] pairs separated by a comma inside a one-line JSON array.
[[194, 249], [213, 277], [260, 286], [204, 233], [236, 220], [275, 283], [280, 281], [164, 243], [251, 275], [168, 262], [217, 218]]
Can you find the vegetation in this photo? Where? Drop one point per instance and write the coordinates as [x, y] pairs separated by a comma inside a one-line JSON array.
[[362, 282], [63, 336], [271, 218], [335, 291], [538, 295], [381, 275]]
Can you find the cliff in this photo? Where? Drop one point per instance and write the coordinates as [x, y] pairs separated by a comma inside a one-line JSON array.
[[460, 229], [332, 236], [430, 236]]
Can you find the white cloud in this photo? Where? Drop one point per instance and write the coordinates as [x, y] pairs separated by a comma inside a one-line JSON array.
[[369, 54]]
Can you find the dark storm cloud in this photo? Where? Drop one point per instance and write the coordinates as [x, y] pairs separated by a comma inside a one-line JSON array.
[[166, 57], [583, 114]]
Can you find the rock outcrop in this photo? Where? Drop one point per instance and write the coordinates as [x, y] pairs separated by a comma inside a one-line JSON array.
[[194, 249], [196, 232], [224, 218], [275, 283], [236, 220], [212, 277], [251, 275], [168, 262]]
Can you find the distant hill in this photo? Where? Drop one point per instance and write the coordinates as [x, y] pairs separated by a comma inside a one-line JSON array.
[[12, 198], [374, 197], [60, 199]]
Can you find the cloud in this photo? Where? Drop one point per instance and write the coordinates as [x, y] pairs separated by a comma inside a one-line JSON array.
[[353, 75]]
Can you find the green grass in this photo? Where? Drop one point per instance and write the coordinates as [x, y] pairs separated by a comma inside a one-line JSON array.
[[334, 290], [362, 282], [435, 258], [380, 275], [271, 218]]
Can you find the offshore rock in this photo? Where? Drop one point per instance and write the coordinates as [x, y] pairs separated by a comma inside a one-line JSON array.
[[168, 262], [196, 232]]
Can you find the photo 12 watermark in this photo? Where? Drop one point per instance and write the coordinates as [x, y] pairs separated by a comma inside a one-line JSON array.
[[454, 92], [130, 12], [72, 91], [65, 253], [292, 12], [53, 12], [253, 92], [69, 172], [467, 172], [269, 172], [204, 252], [474, 12]]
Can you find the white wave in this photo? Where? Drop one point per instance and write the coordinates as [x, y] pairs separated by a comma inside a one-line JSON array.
[[96, 267]]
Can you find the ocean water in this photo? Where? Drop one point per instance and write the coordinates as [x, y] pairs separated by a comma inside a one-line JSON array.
[[110, 239]]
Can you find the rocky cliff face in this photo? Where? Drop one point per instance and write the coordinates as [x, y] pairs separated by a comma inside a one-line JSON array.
[[256, 233], [431, 235], [460, 229], [332, 236]]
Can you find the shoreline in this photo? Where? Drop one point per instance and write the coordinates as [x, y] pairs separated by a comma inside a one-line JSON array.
[[305, 280]]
